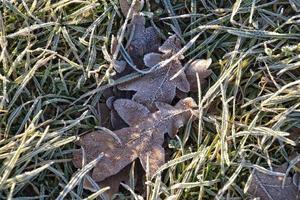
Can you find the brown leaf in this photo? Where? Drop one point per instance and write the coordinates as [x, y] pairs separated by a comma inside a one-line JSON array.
[[115, 157], [112, 119], [180, 94], [200, 67], [143, 138], [269, 187], [158, 86], [144, 40], [104, 115], [171, 46], [119, 65], [294, 133], [115, 120], [130, 111], [125, 6], [113, 182], [152, 59]]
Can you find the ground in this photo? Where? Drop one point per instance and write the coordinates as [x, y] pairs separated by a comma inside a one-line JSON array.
[[53, 74]]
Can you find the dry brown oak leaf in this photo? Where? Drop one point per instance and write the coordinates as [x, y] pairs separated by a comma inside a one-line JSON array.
[[158, 86], [143, 138], [270, 187], [142, 40], [109, 114], [125, 6], [200, 67], [113, 182]]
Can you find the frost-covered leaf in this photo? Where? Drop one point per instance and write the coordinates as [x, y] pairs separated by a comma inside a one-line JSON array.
[[294, 133], [270, 186], [125, 6], [104, 115], [158, 85], [171, 46], [142, 40], [113, 182], [108, 116], [115, 157], [130, 111], [200, 67], [152, 59], [115, 120], [144, 137], [120, 65]]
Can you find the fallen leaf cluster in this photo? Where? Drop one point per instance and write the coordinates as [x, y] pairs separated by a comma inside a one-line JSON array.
[[143, 138], [140, 112]]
